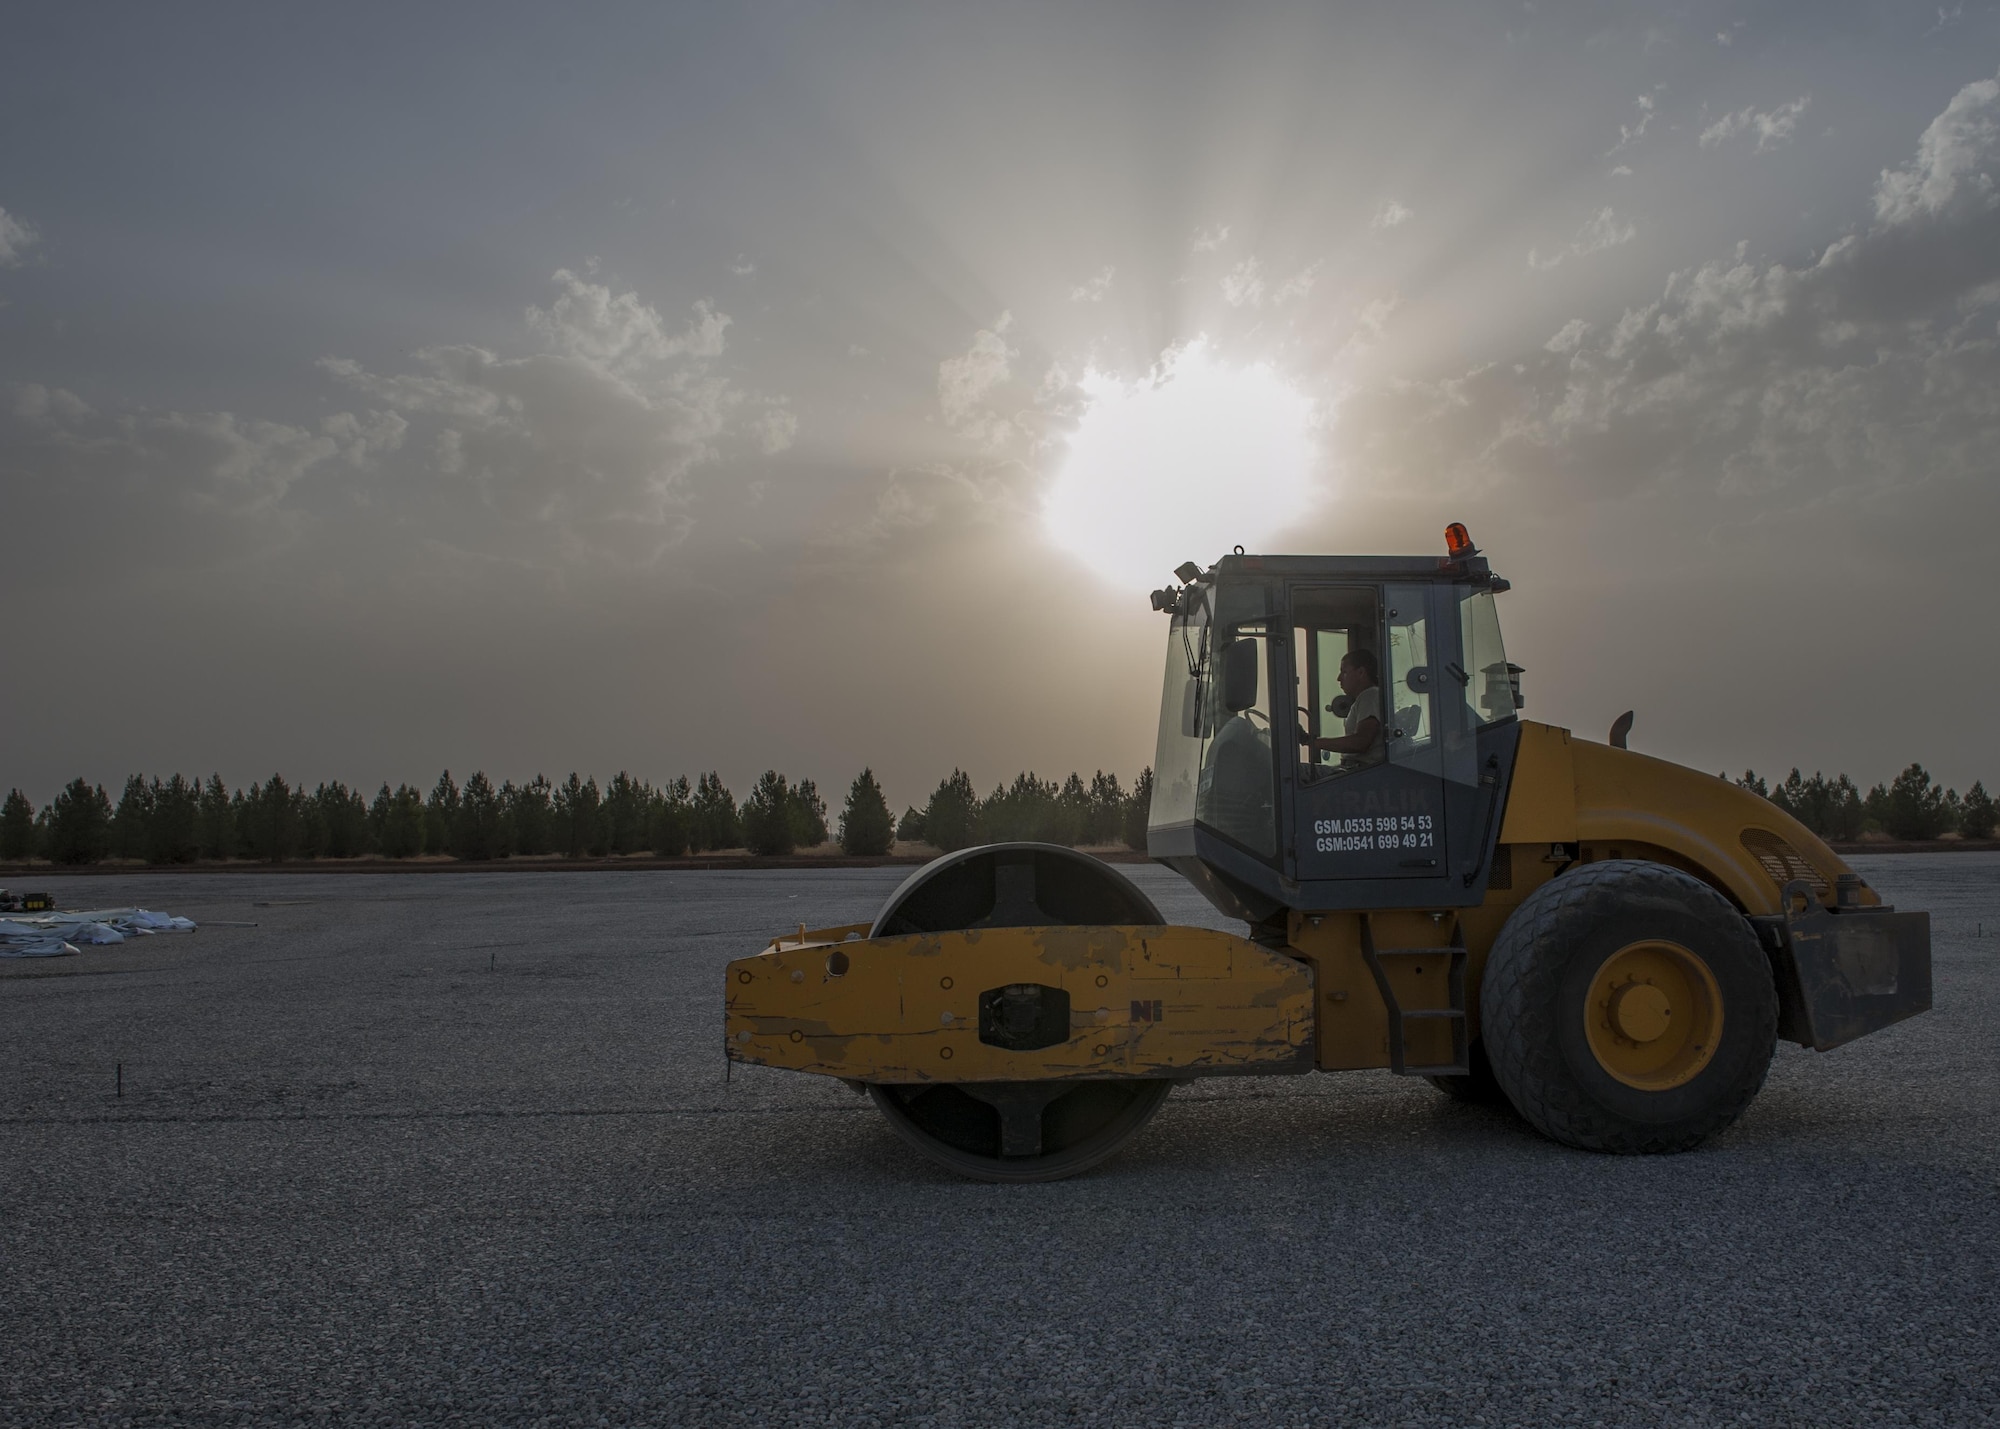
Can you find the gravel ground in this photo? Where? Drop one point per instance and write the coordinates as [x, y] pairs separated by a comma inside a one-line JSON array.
[[460, 1148]]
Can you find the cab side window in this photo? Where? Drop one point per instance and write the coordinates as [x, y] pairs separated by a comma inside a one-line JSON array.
[[1409, 678], [1328, 624], [1488, 679], [1237, 794]]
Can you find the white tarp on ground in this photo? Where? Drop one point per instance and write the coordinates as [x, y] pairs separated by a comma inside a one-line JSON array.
[[50, 935]]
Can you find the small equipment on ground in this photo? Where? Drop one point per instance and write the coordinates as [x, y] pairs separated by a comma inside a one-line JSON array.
[[1428, 883]]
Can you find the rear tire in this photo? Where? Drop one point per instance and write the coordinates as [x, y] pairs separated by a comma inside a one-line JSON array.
[[1628, 1007]]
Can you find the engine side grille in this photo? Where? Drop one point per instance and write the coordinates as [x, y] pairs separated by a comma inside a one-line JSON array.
[[1783, 862]]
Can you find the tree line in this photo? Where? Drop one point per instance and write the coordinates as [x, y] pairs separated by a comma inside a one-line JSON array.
[[178, 820], [1912, 806]]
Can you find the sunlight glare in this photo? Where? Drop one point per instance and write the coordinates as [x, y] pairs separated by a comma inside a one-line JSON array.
[[1182, 464]]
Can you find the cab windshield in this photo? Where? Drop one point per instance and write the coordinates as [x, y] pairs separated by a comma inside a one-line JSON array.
[[1177, 756], [1214, 761]]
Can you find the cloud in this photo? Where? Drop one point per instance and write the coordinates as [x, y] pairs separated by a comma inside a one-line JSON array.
[[1772, 128], [1569, 337], [582, 438], [774, 429], [213, 462], [1600, 231], [1243, 285], [966, 382], [743, 267], [1630, 134], [249, 463], [594, 435], [1373, 319], [616, 333], [1297, 287], [362, 440], [33, 402], [575, 451], [1207, 240], [16, 238], [1946, 19], [1092, 290], [1954, 163], [1868, 375], [450, 452], [1392, 214]]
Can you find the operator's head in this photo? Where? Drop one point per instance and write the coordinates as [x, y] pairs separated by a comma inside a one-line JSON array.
[[1358, 671]]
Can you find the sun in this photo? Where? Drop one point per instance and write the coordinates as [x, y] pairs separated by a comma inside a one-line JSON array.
[[1194, 458]]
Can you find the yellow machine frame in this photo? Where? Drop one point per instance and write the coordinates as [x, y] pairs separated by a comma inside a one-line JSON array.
[[1183, 1002]]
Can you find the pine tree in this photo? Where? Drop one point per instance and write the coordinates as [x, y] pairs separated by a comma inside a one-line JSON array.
[[215, 824], [866, 829], [1030, 808], [309, 819], [1976, 814], [951, 816], [397, 822], [172, 835], [441, 816], [670, 822], [1139, 810], [715, 822], [131, 825], [267, 821], [17, 827], [767, 816], [1875, 809], [910, 828], [807, 814], [1844, 817], [626, 803], [1105, 822], [577, 823], [531, 816], [480, 826], [79, 828], [1073, 809], [1915, 806], [344, 823]]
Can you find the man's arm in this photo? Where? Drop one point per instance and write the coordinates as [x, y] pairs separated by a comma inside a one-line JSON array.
[[1360, 742]]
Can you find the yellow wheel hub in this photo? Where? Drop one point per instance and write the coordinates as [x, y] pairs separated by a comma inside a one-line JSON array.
[[1654, 1015]]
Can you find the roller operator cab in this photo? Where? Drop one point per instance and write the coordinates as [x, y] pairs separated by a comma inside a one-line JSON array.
[[1250, 803], [1429, 884]]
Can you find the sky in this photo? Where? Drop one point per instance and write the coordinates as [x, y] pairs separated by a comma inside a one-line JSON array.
[[683, 387]]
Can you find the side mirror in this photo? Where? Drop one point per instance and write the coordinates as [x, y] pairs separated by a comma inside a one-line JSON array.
[[1239, 675], [1191, 710]]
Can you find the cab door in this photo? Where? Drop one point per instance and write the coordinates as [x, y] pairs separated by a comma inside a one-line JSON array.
[[1380, 812]]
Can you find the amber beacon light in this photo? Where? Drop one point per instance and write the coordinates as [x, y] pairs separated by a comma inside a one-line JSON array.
[[1458, 540]]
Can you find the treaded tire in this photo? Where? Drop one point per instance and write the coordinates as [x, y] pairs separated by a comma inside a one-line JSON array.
[[1478, 1087], [1538, 979]]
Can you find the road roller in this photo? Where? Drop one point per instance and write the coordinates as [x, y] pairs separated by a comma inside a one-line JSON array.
[[1426, 884]]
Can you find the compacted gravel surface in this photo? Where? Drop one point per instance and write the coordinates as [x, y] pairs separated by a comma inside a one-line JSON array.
[[419, 1149]]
